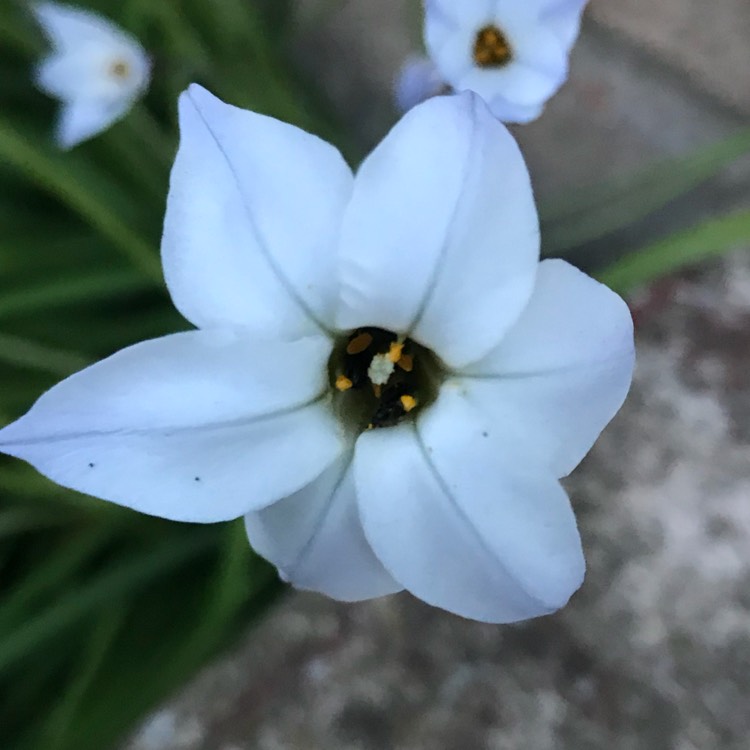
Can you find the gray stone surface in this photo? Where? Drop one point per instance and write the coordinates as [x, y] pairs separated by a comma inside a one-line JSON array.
[[706, 40], [654, 652]]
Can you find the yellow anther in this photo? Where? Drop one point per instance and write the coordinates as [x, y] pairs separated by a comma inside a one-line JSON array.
[[343, 383], [408, 402], [359, 343], [406, 363], [491, 48], [395, 352]]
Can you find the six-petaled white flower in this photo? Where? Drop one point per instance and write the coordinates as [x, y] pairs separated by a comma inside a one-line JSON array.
[[95, 69], [384, 379], [513, 53]]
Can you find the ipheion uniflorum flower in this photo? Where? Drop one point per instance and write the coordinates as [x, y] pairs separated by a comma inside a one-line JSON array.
[[95, 69], [513, 53], [383, 379]]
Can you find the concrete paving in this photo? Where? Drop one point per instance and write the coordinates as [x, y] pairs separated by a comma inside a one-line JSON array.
[[654, 652]]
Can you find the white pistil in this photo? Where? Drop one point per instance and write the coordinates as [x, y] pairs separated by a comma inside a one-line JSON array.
[[380, 370]]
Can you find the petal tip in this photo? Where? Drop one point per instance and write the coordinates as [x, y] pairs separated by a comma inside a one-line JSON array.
[[194, 99]]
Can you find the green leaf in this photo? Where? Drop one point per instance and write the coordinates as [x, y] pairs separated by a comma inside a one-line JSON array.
[[583, 215], [699, 243], [126, 578], [22, 353], [81, 287], [60, 717], [61, 564], [82, 190]]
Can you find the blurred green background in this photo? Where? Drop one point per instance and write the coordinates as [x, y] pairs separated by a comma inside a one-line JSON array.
[[104, 611]]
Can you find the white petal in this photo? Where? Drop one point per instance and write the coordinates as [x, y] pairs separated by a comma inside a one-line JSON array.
[[418, 80], [441, 238], [462, 528], [198, 426], [69, 27], [518, 93], [83, 119], [561, 373], [513, 112], [315, 539], [449, 36], [564, 18], [87, 73], [252, 221], [88, 51], [468, 11]]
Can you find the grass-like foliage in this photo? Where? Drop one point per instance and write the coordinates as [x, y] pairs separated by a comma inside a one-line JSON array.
[[104, 611]]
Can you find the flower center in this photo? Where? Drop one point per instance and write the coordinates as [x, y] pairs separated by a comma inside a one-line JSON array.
[[492, 48], [119, 69], [380, 379]]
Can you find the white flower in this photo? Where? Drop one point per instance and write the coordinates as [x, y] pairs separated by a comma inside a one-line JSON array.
[[417, 81], [95, 69], [442, 480], [513, 53]]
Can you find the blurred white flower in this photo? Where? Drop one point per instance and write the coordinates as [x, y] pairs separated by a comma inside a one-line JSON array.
[[95, 69], [384, 379], [417, 81], [513, 53]]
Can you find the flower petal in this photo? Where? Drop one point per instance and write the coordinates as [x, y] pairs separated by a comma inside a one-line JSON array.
[[252, 220], [561, 373], [441, 238], [199, 426], [82, 119], [563, 17], [466, 12], [69, 28], [315, 539], [463, 528], [417, 81]]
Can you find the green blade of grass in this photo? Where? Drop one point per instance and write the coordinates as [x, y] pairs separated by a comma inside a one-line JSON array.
[[29, 354], [60, 565], [596, 211], [53, 174], [14, 521], [53, 733], [707, 240], [71, 290], [115, 582]]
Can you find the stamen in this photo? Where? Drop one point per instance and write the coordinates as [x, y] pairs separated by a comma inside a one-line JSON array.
[[406, 363], [359, 343], [380, 378], [395, 352], [492, 48], [343, 383], [408, 402]]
